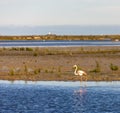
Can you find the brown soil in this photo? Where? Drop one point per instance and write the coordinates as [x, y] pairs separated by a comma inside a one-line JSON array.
[[24, 65]]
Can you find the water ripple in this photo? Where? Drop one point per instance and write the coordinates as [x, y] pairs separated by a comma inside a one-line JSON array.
[[31, 98]]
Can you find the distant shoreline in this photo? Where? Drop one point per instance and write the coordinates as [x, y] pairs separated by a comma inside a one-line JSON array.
[[62, 37]]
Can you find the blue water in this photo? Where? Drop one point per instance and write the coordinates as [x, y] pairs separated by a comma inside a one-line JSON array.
[[59, 97], [34, 43]]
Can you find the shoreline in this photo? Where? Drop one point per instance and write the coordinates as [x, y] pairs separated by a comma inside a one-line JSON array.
[[62, 83], [55, 63], [62, 37]]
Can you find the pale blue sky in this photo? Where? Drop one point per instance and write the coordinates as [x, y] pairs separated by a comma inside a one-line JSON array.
[[59, 12]]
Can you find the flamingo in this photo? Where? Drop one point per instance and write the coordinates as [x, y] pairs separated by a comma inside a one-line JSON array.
[[81, 73]]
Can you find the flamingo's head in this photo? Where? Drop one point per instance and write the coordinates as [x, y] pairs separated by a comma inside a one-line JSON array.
[[74, 66]]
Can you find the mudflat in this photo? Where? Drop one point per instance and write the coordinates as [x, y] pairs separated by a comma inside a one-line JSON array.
[[56, 63]]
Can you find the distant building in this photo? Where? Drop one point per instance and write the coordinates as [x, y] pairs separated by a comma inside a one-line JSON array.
[[49, 33]]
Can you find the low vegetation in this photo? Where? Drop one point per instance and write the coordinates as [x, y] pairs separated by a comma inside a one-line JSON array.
[[113, 67], [56, 63], [11, 72], [62, 37], [68, 51], [59, 74], [97, 68]]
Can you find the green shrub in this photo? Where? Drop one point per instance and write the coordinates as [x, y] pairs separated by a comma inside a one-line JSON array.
[[81, 49], [51, 71], [97, 68], [39, 70], [59, 69], [22, 49], [12, 72], [16, 49], [113, 67], [46, 71], [36, 71], [29, 49], [35, 54]]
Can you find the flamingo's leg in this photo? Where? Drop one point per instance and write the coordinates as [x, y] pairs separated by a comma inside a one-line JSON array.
[[85, 81], [81, 78], [86, 78]]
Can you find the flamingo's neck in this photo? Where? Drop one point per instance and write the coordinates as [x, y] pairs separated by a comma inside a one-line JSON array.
[[75, 72]]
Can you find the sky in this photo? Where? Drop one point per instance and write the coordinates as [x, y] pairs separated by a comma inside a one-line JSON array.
[[59, 12]]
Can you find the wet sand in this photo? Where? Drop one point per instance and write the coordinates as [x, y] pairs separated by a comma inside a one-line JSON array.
[[56, 63]]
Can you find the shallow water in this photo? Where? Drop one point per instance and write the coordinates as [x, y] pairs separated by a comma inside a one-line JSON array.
[[60, 43], [59, 97]]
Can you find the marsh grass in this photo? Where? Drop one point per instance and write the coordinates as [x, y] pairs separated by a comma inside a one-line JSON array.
[[49, 70], [26, 69], [59, 69], [61, 37], [37, 71], [35, 54], [97, 68], [4, 48], [67, 51], [29, 49], [12, 72], [62, 52], [46, 71], [82, 49], [52, 71], [58, 75], [113, 67], [22, 49]]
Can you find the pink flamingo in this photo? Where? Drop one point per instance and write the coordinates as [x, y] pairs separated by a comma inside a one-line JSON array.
[[80, 73]]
